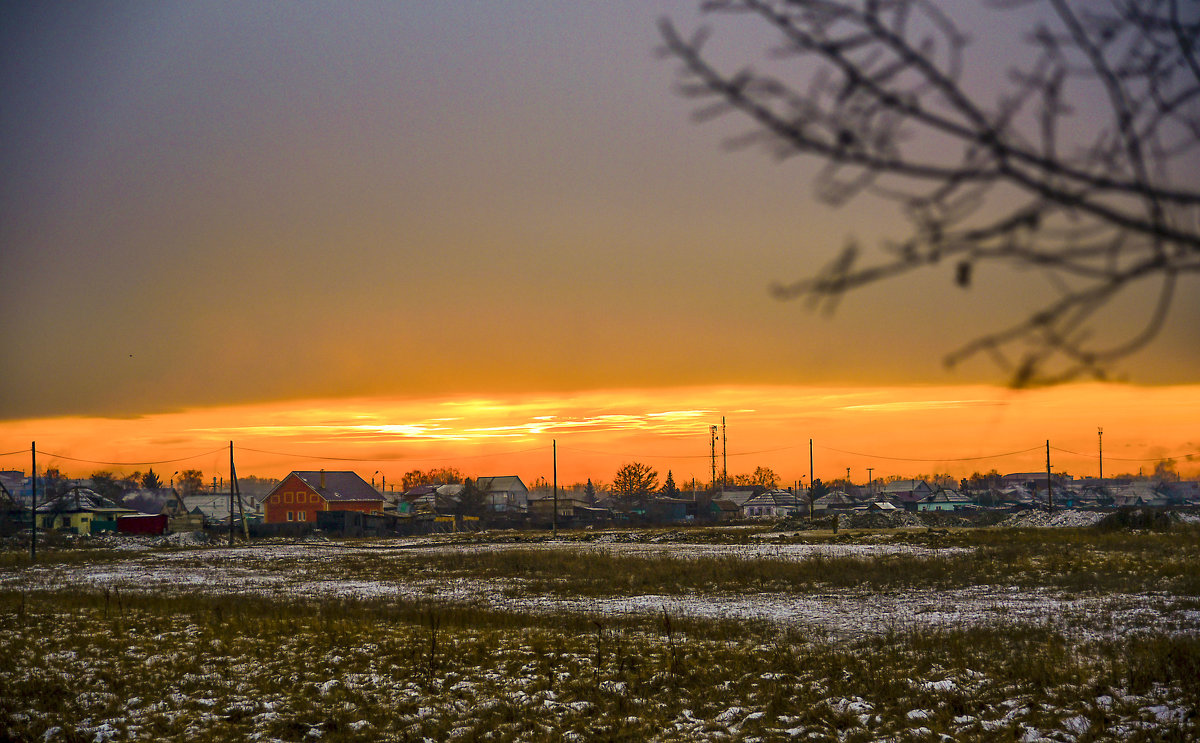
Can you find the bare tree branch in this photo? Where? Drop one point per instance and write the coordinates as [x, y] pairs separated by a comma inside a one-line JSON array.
[[879, 95]]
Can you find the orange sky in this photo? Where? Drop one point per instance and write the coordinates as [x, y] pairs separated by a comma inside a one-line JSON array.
[[895, 430], [235, 203], [419, 234]]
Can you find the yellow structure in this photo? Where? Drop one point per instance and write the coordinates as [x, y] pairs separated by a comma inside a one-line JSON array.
[[80, 522]]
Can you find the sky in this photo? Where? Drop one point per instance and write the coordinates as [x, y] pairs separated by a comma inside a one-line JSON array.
[[215, 213]]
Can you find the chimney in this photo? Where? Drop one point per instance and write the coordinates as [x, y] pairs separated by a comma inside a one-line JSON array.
[[322, 479]]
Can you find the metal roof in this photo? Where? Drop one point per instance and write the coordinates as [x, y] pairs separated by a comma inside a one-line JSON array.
[[340, 485]]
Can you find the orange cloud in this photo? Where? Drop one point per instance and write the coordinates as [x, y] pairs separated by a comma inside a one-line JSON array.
[[892, 430]]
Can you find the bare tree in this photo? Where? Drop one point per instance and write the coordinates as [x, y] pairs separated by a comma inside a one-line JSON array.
[[634, 481], [1097, 200], [435, 476]]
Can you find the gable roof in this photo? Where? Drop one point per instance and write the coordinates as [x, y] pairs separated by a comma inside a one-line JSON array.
[[947, 496], [778, 498], [904, 486], [418, 491], [340, 485], [80, 499], [501, 484], [727, 506], [737, 495], [834, 498]]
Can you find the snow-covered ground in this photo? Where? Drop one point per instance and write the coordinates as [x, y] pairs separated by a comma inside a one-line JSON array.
[[192, 676], [304, 570]]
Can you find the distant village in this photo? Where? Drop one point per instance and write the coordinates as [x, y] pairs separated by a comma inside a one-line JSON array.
[[342, 502]]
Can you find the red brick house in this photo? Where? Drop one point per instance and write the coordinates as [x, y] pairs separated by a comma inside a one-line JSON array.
[[302, 494]]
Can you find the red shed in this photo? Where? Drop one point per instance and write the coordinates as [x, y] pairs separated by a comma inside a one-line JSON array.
[[142, 523]]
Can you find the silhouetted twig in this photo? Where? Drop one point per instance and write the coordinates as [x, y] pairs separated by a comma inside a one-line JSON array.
[[880, 98]]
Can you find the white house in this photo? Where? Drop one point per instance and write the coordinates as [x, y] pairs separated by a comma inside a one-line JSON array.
[[773, 504], [504, 493]]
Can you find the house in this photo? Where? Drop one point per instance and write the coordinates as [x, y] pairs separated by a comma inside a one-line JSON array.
[[907, 494], [301, 495], [835, 501], [1140, 494], [209, 508], [80, 511], [179, 517], [504, 493], [441, 499], [15, 484], [1038, 479], [541, 510], [773, 504], [724, 510], [946, 500], [738, 495], [1015, 495], [664, 510]]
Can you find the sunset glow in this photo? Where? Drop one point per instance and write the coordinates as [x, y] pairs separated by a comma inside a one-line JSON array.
[[894, 431], [388, 236]]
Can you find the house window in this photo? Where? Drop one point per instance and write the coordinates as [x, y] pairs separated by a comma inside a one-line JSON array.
[[287, 497], [303, 515], [289, 515]]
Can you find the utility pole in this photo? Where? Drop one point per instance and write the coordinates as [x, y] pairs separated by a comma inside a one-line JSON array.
[[1100, 435], [230, 493], [724, 456], [1049, 485], [554, 520], [870, 480], [33, 504], [712, 444], [811, 481], [237, 489]]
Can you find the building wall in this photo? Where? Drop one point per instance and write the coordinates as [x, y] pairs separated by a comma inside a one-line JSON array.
[[78, 522], [291, 501], [294, 501]]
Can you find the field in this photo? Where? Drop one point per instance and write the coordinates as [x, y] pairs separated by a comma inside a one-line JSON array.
[[1074, 634]]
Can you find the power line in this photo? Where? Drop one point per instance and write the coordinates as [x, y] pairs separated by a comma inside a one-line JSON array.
[[11, 453], [388, 459], [1129, 459], [944, 459], [129, 464], [675, 456]]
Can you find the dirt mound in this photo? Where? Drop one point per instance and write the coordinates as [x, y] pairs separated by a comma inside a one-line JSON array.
[[1052, 519], [182, 539], [855, 520]]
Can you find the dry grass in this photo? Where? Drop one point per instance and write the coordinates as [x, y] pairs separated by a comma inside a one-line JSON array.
[[178, 664]]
